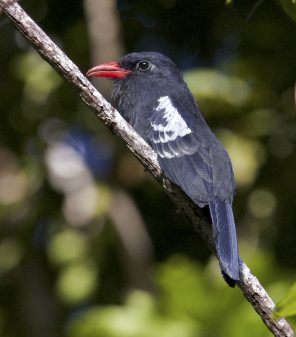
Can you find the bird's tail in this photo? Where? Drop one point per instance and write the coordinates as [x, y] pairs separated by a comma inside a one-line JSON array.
[[225, 239]]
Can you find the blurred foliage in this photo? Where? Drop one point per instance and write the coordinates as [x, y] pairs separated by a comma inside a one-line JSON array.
[[290, 8], [190, 302], [78, 258], [287, 305]]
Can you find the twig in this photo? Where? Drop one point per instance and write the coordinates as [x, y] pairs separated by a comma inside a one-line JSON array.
[[250, 286], [5, 4]]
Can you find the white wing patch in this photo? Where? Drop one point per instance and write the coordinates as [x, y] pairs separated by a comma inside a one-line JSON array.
[[175, 126]]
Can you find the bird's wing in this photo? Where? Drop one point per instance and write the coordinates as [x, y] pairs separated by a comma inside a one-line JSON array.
[[183, 155], [170, 133], [194, 159]]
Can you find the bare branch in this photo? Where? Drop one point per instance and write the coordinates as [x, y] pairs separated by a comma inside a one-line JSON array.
[[250, 286], [5, 4]]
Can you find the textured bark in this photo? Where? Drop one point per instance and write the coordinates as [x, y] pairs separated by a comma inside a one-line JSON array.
[[249, 285]]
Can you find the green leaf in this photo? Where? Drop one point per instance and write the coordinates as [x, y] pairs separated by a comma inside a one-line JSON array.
[[287, 305], [290, 8]]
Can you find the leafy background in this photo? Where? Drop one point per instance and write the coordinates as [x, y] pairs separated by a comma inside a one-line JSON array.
[[90, 245]]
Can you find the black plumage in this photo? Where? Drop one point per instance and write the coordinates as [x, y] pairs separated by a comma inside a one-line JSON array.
[[153, 97]]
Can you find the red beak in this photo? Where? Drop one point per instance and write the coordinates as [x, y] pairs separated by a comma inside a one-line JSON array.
[[110, 69]]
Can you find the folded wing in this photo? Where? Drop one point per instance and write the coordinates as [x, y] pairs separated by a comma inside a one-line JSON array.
[[197, 163]]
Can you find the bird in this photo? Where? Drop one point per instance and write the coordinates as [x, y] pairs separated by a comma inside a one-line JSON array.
[[154, 99]]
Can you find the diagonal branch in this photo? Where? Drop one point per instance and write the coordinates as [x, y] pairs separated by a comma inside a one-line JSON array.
[[249, 285]]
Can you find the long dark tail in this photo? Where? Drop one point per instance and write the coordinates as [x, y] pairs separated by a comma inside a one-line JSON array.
[[225, 239]]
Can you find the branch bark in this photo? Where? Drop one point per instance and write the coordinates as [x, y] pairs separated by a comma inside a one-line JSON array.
[[249, 285]]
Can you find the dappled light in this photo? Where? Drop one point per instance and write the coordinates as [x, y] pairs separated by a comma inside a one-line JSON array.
[[247, 156], [32, 70], [261, 203], [214, 87], [77, 282], [189, 303]]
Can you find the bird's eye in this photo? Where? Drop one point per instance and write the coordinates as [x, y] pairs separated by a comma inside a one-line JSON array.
[[143, 65]]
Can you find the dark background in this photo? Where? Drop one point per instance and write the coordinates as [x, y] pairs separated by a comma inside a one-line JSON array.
[[90, 245]]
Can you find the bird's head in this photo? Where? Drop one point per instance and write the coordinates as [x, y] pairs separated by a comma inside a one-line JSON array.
[[144, 65], [140, 80]]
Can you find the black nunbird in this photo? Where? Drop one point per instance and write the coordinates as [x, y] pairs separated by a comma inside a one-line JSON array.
[[153, 97]]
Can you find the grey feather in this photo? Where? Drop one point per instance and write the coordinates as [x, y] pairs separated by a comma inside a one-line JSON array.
[[225, 237]]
